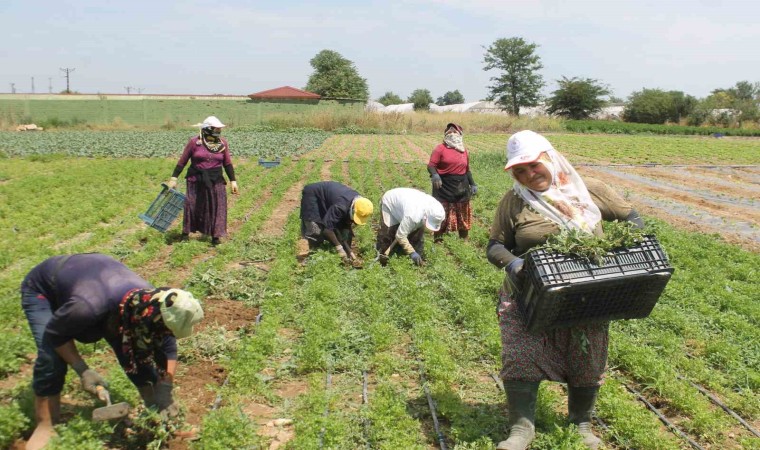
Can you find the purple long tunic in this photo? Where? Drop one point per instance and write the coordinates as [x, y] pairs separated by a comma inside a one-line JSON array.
[[83, 291], [205, 208]]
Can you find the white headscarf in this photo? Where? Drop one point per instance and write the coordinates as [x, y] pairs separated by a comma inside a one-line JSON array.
[[567, 201]]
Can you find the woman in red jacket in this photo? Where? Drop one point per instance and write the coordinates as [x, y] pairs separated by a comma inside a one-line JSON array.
[[449, 168]]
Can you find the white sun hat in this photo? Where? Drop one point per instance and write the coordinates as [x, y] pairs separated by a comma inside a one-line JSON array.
[[180, 311], [435, 216], [525, 147], [212, 122]]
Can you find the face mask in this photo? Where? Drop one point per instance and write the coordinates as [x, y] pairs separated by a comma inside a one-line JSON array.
[[454, 140], [211, 132]]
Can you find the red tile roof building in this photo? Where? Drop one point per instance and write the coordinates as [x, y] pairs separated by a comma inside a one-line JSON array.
[[286, 92]]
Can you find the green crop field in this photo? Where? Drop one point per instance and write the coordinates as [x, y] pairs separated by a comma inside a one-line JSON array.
[[147, 111], [318, 355]]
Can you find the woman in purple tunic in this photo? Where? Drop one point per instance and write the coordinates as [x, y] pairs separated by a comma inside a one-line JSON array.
[[89, 297], [206, 203]]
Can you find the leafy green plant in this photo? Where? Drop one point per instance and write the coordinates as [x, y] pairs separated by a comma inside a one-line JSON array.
[[80, 434], [227, 428], [12, 422], [594, 248]]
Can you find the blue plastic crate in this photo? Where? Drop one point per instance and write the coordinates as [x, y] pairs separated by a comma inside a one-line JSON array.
[[565, 290], [269, 164], [164, 209]]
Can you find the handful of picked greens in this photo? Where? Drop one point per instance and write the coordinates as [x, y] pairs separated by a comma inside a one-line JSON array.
[[594, 248]]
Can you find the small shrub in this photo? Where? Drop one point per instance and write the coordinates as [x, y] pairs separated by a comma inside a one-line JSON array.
[[12, 423]]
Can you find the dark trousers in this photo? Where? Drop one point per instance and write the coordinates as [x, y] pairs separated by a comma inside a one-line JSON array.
[[386, 235], [49, 368], [313, 232]]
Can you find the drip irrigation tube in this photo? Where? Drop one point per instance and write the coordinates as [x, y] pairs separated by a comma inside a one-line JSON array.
[[725, 408], [322, 431], [218, 400], [365, 402], [664, 419], [497, 380], [431, 405]]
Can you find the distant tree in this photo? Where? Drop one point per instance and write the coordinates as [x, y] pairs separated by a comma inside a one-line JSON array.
[[682, 105], [743, 100], [450, 98], [335, 76], [614, 100], [421, 99], [519, 82], [744, 90], [658, 106], [389, 98], [577, 98]]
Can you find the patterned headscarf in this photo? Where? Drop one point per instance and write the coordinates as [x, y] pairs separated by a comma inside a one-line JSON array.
[[214, 144], [142, 329], [567, 201], [452, 137]]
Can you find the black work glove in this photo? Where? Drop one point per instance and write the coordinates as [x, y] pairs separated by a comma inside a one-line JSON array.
[[515, 271], [162, 394], [90, 379], [417, 258], [436, 179]]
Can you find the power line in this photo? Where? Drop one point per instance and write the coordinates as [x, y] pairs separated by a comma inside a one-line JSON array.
[[68, 71]]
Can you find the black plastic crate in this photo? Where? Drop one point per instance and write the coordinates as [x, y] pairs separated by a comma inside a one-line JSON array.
[[565, 290], [164, 209]]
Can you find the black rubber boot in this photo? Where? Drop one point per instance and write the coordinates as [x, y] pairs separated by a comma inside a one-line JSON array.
[[580, 406], [521, 401], [146, 392]]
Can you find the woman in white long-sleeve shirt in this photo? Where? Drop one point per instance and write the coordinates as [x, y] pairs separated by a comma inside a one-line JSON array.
[[406, 212]]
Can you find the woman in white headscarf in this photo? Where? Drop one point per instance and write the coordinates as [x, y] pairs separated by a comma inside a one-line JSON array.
[[548, 196], [206, 202]]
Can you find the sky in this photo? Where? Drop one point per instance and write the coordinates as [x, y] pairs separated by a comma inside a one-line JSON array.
[[237, 47]]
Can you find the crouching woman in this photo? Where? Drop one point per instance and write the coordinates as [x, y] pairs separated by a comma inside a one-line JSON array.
[[89, 297]]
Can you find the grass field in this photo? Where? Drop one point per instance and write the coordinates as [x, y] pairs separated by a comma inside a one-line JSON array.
[[325, 331]]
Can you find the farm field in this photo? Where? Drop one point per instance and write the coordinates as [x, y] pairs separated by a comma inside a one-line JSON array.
[[346, 355]]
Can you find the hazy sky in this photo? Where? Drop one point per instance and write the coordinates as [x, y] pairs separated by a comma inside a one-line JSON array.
[[240, 47]]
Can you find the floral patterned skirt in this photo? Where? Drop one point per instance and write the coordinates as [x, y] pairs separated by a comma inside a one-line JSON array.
[[576, 356], [458, 217]]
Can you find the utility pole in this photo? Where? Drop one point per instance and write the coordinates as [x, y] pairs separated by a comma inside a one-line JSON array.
[[50, 85], [32, 85], [128, 88], [139, 90], [67, 71], [13, 88]]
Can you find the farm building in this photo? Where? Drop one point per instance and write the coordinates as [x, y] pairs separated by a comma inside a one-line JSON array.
[[476, 107], [373, 106], [402, 108], [285, 93]]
